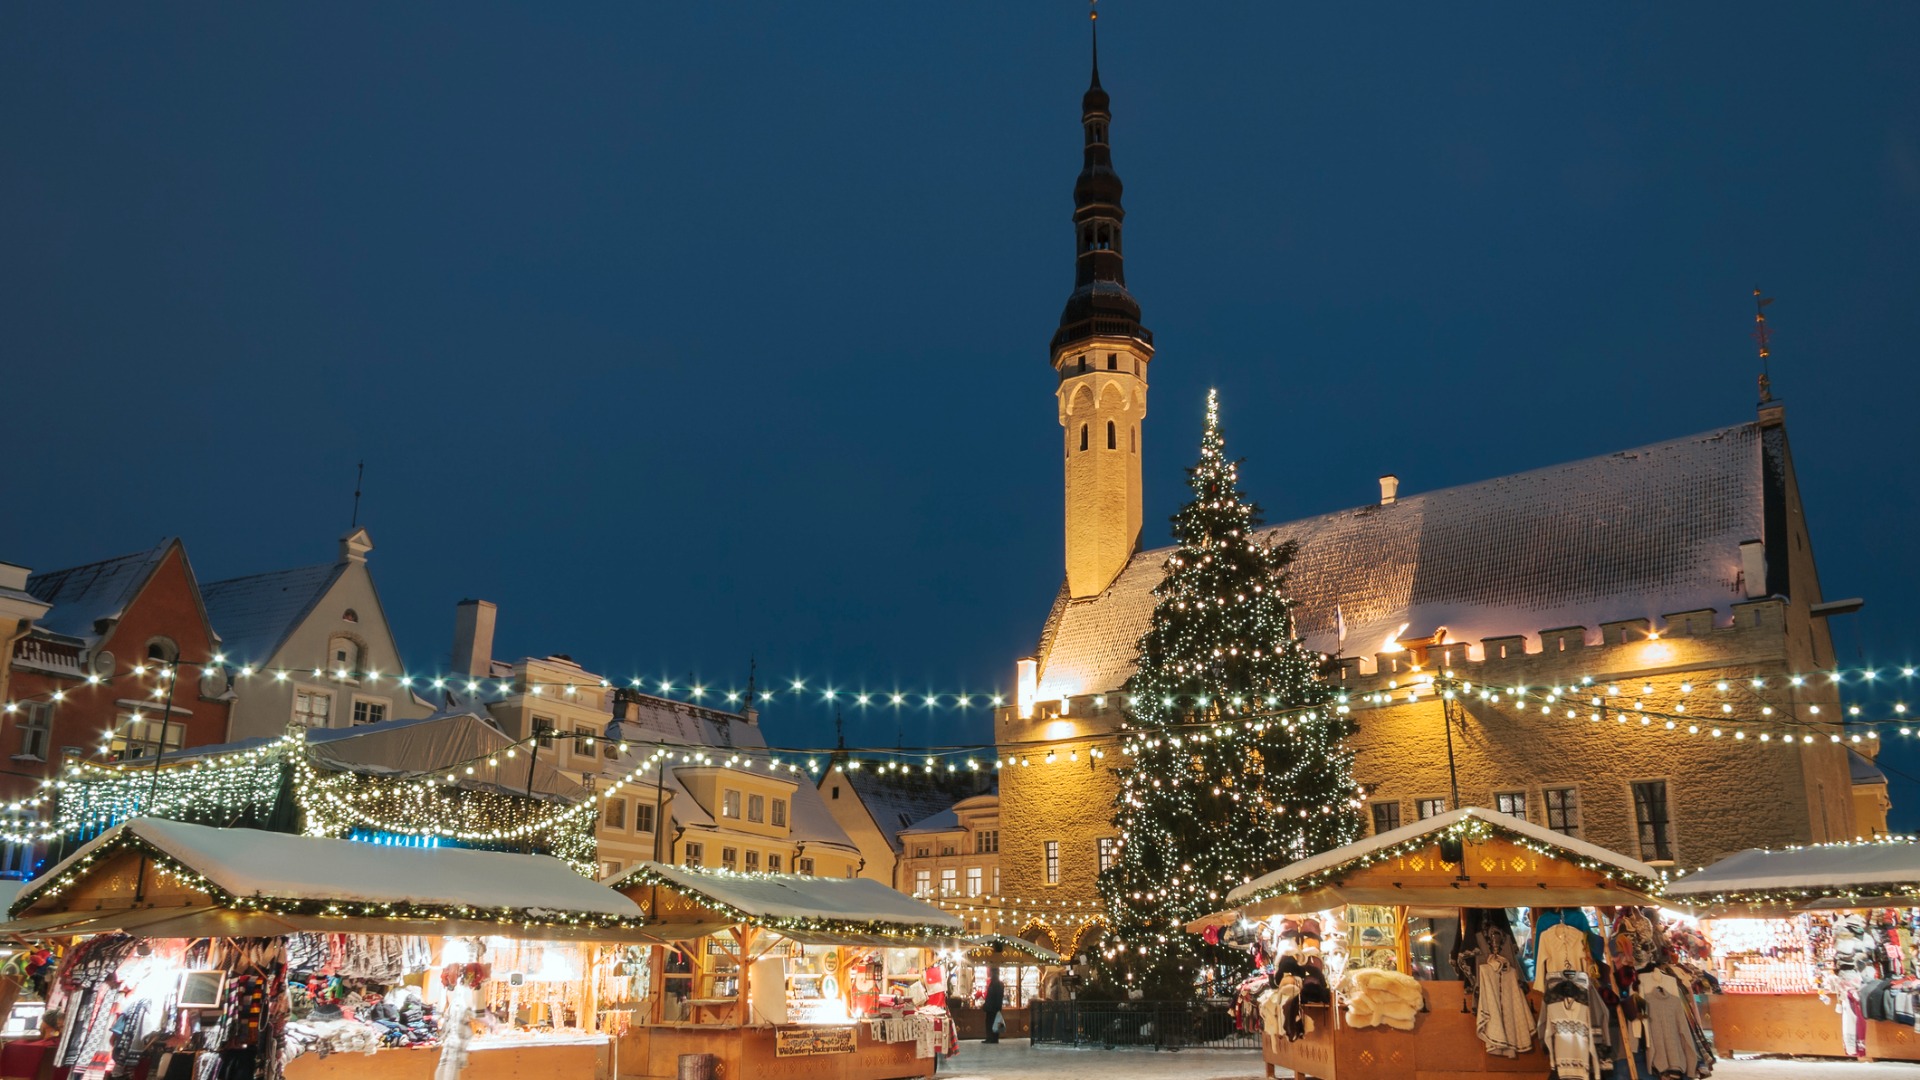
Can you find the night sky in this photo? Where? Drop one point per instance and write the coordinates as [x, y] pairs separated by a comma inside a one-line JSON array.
[[692, 332]]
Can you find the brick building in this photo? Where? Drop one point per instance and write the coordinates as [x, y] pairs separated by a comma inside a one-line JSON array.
[[1654, 584]]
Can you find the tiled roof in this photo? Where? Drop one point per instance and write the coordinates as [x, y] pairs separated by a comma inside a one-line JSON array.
[[1639, 533], [255, 614], [83, 595], [1863, 770], [940, 822]]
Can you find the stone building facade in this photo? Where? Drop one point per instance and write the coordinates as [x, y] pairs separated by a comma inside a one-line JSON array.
[[1631, 599]]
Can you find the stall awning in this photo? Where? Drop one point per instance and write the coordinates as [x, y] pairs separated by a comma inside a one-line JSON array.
[[242, 869], [794, 904], [1865, 874], [1504, 862], [1011, 949]]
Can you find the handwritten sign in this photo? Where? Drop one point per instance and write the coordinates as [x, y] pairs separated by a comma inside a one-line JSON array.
[[809, 1041]]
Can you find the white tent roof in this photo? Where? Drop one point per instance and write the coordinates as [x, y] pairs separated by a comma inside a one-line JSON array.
[[1823, 870], [1359, 849], [255, 863], [795, 896]]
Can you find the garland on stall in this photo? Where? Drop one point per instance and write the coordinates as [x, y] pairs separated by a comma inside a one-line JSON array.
[[906, 933], [76, 869], [1472, 829]]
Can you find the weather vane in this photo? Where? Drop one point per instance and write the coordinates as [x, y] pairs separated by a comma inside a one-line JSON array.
[[1762, 335]]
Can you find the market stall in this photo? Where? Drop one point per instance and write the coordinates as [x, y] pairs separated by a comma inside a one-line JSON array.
[[1395, 957], [1813, 948], [1027, 971], [193, 952], [778, 975]]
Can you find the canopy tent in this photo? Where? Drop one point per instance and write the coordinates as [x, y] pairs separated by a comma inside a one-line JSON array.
[[796, 906], [1002, 949], [1864, 874], [273, 883], [1503, 862]]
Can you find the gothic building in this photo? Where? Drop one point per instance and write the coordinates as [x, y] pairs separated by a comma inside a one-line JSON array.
[[1646, 590]]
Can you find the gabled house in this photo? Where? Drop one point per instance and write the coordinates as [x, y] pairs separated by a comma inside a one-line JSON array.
[[316, 641]]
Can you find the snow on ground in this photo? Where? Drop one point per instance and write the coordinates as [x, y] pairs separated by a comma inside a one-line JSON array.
[[1019, 1061]]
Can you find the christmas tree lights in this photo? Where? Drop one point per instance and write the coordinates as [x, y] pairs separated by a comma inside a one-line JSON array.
[[1214, 790]]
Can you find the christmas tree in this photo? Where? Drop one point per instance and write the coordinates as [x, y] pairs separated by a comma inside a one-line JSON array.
[[1231, 744]]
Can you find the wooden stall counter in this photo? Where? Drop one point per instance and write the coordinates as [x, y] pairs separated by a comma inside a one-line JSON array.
[[576, 1059], [1799, 1024], [653, 1053], [1443, 1045]]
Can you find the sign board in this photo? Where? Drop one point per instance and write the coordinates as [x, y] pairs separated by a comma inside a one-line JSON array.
[[808, 1041]]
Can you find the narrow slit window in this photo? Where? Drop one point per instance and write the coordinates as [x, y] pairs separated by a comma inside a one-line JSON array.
[[1112, 441], [1083, 436]]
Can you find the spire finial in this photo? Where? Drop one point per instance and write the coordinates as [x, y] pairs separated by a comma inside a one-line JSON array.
[[1762, 335], [753, 669], [1093, 23], [359, 474]]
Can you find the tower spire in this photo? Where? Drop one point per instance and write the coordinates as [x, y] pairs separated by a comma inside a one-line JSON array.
[[1100, 353], [1763, 336]]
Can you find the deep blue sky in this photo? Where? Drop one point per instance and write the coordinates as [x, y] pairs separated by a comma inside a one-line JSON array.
[[686, 332]]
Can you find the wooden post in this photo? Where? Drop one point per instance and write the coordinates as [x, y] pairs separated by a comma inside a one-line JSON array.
[[743, 937], [1402, 948], [590, 1000], [657, 982]]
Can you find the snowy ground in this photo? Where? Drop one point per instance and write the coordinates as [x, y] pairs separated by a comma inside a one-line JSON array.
[[1019, 1061]]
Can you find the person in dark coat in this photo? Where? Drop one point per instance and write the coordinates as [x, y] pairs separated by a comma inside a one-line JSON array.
[[996, 997]]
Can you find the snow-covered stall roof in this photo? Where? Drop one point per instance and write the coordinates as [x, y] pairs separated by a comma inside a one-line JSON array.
[[1641, 533], [1316, 881], [796, 903], [362, 879], [1806, 876]]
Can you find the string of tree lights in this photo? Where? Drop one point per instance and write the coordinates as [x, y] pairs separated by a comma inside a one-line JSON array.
[[1222, 631]]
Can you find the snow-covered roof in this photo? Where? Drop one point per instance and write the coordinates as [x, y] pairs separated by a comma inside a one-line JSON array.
[[255, 614], [1314, 866], [1828, 870], [1862, 770], [1640, 533], [84, 595], [940, 822], [898, 801], [658, 720], [251, 863], [793, 901]]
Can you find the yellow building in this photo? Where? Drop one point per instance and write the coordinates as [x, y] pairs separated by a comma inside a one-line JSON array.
[[1621, 593], [953, 858], [713, 794]]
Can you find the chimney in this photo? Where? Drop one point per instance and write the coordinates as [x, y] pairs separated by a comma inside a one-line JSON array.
[[1389, 489], [1753, 568], [473, 637]]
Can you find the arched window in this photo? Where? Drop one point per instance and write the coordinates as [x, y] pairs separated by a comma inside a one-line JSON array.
[[163, 650], [1083, 436], [1111, 443], [350, 616]]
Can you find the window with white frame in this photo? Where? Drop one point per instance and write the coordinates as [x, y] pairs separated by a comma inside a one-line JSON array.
[[1052, 853], [922, 882], [1109, 850], [973, 881], [643, 817], [692, 854], [757, 808], [1386, 816], [312, 708], [996, 881], [139, 735], [803, 866], [753, 862], [730, 858], [368, 712], [950, 881], [36, 727], [1511, 803], [773, 862], [779, 813], [730, 804], [1427, 808], [986, 841], [543, 730]]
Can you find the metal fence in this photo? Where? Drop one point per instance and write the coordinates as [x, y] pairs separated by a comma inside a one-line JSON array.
[[1162, 1025]]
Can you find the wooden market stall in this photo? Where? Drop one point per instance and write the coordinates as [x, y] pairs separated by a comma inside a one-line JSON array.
[[1021, 963], [786, 975], [1779, 938], [1370, 893], [316, 959]]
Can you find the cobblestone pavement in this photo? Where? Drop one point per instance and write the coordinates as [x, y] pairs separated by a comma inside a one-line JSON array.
[[1019, 1061]]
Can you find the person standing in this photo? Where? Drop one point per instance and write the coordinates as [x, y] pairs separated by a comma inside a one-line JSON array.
[[996, 997]]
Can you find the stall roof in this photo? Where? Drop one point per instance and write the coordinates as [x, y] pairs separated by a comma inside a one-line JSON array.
[[996, 945], [1828, 872], [1318, 881], [796, 902], [250, 863]]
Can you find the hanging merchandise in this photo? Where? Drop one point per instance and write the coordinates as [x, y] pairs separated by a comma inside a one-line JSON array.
[[1502, 1019], [1573, 1028], [1672, 1049]]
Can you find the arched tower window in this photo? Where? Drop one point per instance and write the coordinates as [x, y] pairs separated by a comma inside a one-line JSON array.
[[1111, 443], [1083, 436]]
